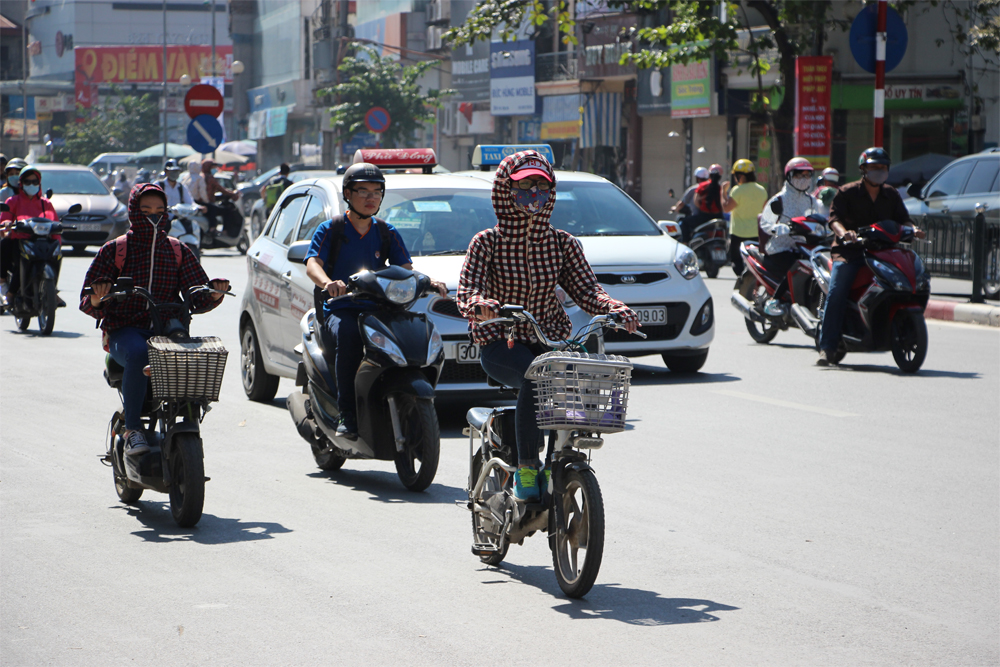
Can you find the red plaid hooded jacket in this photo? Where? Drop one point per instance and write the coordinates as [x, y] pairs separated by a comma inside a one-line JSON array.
[[520, 262], [151, 264]]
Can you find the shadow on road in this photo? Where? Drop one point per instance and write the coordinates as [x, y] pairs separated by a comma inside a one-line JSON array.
[[652, 375], [894, 370], [614, 602], [385, 487], [210, 530]]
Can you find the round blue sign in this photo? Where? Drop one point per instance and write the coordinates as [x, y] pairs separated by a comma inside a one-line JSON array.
[[204, 133], [377, 120], [863, 38]]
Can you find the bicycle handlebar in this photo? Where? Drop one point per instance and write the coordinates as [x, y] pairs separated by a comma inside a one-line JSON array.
[[518, 314]]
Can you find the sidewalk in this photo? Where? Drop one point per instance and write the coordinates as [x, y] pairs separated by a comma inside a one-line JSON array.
[[948, 303]]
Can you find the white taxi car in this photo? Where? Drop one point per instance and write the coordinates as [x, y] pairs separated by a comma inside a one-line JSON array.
[[437, 215]]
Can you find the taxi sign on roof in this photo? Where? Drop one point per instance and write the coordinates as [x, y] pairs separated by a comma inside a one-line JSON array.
[[397, 158], [492, 155]]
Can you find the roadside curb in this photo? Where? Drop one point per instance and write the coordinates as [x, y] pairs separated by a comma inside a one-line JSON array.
[[972, 313]]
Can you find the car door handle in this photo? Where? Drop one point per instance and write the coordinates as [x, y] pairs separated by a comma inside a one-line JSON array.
[[287, 276], [944, 209]]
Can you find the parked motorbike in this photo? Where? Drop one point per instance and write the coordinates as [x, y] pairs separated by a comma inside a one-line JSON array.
[[758, 283], [39, 257], [184, 226], [208, 237], [185, 375], [580, 397], [403, 357], [888, 297], [708, 241]]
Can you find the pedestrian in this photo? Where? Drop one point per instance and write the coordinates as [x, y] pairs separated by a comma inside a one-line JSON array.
[[743, 203], [274, 187]]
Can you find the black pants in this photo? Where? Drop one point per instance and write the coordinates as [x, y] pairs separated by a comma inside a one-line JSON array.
[[8, 262], [232, 220], [778, 265], [212, 212], [734, 252], [691, 222]]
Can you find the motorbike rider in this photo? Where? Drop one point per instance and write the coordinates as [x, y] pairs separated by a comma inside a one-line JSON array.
[[826, 186], [176, 192], [521, 261], [121, 187], [685, 205], [204, 190], [359, 248], [858, 204], [151, 263], [12, 172], [707, 202], [28, 203], [3, 170], [792, 201], [142, 176], [743, 203], [277, 184]]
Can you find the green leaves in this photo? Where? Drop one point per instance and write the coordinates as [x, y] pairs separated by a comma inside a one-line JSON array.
[[124, 124]]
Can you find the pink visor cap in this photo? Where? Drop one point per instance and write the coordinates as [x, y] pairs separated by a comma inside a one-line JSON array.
[[532, 167]]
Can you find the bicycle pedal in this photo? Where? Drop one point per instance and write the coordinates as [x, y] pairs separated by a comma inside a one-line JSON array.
[[483, 550]]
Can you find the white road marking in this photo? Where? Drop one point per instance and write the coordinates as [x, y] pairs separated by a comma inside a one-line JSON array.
[[785, 404]]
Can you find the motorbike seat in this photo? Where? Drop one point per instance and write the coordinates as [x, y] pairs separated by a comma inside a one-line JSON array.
[[477, 417], [754, 251], [113, 372]]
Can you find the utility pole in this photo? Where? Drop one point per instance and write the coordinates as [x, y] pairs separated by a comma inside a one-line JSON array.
[[213, 55], [24, 82], [164, 96]]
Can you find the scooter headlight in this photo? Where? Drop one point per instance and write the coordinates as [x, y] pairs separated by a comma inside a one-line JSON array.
[[891, 276], [923, 277], [434, 347], [385, 344], [686, 262], [399, 291], [40, 228]]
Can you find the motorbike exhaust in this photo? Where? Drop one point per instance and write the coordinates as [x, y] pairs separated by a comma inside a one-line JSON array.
[[297, 407], [804, 319], [746, 308]]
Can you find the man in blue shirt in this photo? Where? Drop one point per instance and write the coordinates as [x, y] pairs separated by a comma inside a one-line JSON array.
[[362, 246]]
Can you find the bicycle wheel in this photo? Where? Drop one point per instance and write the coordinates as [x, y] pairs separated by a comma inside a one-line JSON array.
[[577, 542], [487, 531]]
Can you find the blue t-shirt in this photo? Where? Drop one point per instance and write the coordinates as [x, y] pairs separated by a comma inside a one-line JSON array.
[[356, 253]]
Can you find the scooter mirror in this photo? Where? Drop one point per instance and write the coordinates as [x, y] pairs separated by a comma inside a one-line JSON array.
[[48, 193], [777, 207], [75, 208], [4, 208]]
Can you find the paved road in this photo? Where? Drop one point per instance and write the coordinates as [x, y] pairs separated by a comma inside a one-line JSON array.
[[765, 512]]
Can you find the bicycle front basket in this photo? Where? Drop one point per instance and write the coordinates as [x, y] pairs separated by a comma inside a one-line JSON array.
[[190, 370], [579, 391]]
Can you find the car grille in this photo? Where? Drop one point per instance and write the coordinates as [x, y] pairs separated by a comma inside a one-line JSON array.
[[456, 372], [72, 219], [631, 278], [92, 238], [446, 307], [677, 314]]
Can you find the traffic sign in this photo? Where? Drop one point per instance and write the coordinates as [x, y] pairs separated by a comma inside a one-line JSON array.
[[204, 134], [377, 120], [203, 100], [862, 38]]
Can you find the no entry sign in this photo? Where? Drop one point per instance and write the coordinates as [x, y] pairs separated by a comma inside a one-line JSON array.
[[377, 120], [203, 100]]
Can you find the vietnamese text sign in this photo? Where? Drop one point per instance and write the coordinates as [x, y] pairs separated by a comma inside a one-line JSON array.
[[512, 78], [561, 116], [144, 64], [691, 90], [813, 81]]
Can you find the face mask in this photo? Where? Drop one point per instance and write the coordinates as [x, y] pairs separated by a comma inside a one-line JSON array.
[[32, 190], [877, 177], [801, 183], [12, 181], [531, 200], [155, 219]]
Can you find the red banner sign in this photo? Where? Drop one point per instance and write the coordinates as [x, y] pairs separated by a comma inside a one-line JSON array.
[[813, 81], [397, 157]]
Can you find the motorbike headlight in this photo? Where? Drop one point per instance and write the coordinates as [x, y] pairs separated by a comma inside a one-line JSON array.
[[686, 262], [41, 228], [923, 277], [399, 291], [120, 214], [891, 275], [434, 347], [385, 344]]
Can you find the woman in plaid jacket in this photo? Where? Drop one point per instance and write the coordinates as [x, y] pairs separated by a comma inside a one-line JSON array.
[[520, 262]]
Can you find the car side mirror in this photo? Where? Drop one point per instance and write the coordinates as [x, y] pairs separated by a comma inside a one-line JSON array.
[[75, 208], [777, 207], [914, 190], [297, 251]]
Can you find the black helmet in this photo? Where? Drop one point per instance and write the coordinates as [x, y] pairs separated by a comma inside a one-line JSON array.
[[171, 165], [874, 155], [363, 172]]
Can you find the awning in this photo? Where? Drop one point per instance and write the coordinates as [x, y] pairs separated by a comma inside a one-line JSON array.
[[602, 120]]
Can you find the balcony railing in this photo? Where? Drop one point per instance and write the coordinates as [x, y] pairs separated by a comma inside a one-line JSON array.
[[562, 66]]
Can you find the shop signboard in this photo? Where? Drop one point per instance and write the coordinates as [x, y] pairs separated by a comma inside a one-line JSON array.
[[470, 72], [561, 116], [653, 91], [144, 64], [813, 83], [529, 131], [512, 78], [691, 90]]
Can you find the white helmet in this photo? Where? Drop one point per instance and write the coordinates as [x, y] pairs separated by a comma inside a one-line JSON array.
[[701, 172], [830, 174]]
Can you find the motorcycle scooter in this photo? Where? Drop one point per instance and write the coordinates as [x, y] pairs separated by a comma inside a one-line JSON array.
[[185, 228], [708, 241], [758, 284], [187, 217], [887, 300], [39, 257], [403, 358]]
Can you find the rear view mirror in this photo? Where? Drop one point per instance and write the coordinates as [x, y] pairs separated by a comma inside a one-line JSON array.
[[48, 193], [75, 208], [297, 251], [914, 190], [776, 206]]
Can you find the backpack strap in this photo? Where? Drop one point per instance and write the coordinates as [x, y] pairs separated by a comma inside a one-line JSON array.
[[121, 249], [338, 226]]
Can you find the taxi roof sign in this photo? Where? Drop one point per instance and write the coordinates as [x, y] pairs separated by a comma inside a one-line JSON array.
[[398, 158], [486, 155]]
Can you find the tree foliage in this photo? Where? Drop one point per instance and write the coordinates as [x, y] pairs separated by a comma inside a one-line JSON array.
[[124, 124], [383, 82]]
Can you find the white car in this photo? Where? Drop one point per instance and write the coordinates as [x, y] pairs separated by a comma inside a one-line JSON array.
[[437, 215]]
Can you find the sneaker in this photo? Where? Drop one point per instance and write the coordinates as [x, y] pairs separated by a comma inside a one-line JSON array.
[[545, 480], [774, 308], [347, 429], [825, 359], [135, 444], [526, 485]]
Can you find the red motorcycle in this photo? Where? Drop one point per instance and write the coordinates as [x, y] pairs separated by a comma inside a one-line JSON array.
[[799, 305], [886, 305]]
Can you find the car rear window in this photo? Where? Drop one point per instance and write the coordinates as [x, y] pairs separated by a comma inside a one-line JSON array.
[[983, 176], [83, 182]]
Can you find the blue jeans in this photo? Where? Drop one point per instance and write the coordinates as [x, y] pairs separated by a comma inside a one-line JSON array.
[[346, 348], [128, 348], [509, 366], [841, 278]]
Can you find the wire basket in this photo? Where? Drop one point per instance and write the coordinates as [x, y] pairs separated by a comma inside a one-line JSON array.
[[579, 391], [187, 371]]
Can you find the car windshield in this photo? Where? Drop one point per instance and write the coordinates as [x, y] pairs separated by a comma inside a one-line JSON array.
[[82, 182], [599, 209]]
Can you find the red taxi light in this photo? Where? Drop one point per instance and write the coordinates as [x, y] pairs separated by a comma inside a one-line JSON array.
[[398, 158]]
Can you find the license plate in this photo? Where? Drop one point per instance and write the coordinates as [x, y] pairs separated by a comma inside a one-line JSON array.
[[88, 226], [654, 315], [718, 255], [467, 353]]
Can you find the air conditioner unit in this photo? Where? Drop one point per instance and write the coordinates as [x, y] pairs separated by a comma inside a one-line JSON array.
[[444, 9], [433, 38], [433, 12]]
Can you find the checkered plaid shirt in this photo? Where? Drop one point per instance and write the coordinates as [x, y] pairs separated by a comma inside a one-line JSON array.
[[521, 261]]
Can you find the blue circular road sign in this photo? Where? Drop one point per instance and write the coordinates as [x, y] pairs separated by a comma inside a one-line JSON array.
[[862, 38], [377, 120], [204, 133]]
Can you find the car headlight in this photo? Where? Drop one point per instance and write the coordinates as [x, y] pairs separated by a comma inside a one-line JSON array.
[[434, 347], [399, 291], [385, 344], [686, 262], [120, 214], [891, 275]]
